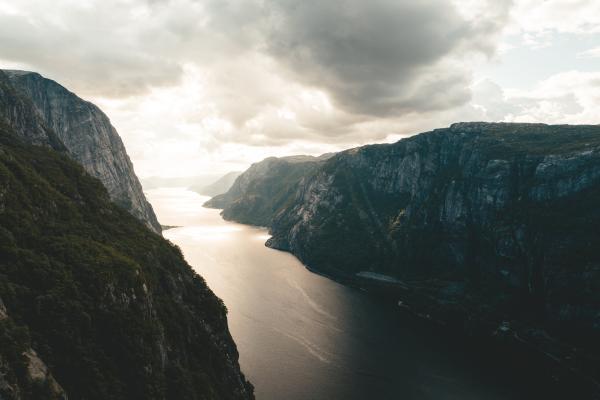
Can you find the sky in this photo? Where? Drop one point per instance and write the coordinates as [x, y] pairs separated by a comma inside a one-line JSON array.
[[199, 87]]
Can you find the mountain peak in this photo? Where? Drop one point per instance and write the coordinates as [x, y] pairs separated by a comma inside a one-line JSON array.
[[83, 129]]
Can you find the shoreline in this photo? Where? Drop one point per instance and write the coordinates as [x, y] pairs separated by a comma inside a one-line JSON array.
[[481, 338], [518, 359]]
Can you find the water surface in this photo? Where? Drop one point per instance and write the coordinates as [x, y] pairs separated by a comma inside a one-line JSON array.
[[302, 336]]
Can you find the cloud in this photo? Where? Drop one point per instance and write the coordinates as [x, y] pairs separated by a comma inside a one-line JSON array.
[[95, 49], [378, 57], [568, 97], [590, 53], [565, 98], [564, 16], [258, 73], [489, 98], [372, 57]]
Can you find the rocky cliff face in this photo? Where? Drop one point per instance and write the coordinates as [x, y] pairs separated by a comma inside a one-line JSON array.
[[476, 222], [463, 183], [92, 304], [18, 112], [264, 188], [86, 133]]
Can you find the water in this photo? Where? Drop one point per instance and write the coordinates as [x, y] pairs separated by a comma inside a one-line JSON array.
[[302, 336]]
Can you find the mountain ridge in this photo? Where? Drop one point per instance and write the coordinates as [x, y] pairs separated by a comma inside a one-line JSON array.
[[220, 186], [482, 223]]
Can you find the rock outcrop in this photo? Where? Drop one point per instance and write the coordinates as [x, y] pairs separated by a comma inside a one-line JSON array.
[[83, 129], [480, 224]]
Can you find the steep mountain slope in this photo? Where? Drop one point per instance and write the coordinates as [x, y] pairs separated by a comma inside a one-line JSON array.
[[18, 111], [220, 186], [264, 188], [473, 225], [88, 136], [93, 304]]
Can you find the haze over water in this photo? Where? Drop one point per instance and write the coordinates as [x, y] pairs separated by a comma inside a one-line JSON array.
[[302, 336]]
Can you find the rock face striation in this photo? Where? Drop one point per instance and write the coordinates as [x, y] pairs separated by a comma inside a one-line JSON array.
[[84, 130], [487, 224]]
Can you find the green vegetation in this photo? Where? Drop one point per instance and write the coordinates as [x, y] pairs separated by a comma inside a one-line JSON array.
[[111, 308]]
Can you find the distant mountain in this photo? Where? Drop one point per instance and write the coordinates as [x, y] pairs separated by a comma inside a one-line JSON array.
[[489, 227], [83, 129], [264, 188], [220, 186], [93, 304], [156, 182]]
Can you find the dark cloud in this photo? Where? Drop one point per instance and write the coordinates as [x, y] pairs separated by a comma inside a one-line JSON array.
[[86, 49], [380, 56], [257, 59]]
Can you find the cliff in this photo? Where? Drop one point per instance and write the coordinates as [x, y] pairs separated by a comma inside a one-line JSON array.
[[484, 226], [93, 305], [19, 113], [83, 129], [267, 186]]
